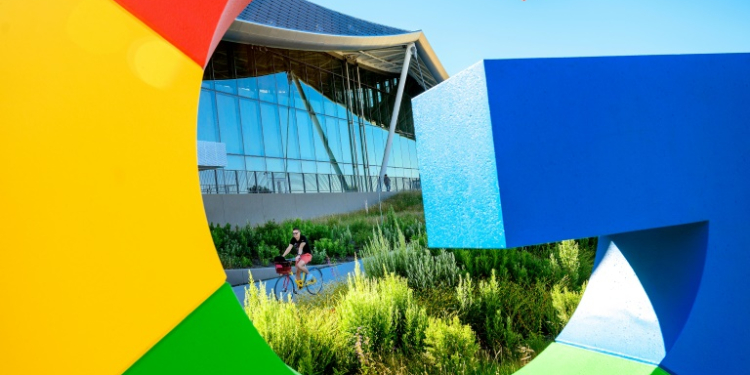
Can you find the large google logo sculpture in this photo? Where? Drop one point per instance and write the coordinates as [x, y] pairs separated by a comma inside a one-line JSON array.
[[106, 265]]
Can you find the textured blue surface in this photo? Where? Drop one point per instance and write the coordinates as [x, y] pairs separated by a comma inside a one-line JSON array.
[[653, 154], [615, 315], [459, 178], [305, 16], [640, 317]]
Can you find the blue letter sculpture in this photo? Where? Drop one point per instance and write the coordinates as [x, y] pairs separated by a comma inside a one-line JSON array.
[[650, 153]]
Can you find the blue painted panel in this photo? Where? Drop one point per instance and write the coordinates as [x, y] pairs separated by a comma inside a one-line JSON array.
[[615, 315], [640, 293], [616, 147], [596, 146], [457, 163]]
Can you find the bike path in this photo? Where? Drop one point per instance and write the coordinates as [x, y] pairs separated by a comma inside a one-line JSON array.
[[330, 274]]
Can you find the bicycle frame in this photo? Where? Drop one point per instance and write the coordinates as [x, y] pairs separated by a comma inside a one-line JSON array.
[[289, 283]]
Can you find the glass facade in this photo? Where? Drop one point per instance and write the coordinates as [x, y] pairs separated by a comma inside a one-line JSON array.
[[305, 112]]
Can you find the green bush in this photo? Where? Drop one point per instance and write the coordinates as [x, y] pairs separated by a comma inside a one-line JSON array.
[[549, 263], [565, 302], [334, 248], [361, 230], [384, 312], [428, 271], [230, 242], [450, 348], [319, 257], [565, 259], [273, 234], [267, 253], [419, 266], [409, 225], [306, 338], [503, 313], [351, 231]]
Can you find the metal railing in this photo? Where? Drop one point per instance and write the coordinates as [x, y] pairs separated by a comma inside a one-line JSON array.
[[222, 181]]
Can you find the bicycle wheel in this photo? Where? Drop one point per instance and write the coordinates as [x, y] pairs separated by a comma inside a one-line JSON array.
[[313, 281], [285, 286]]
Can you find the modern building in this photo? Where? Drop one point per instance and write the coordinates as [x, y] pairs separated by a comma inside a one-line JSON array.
[[298, 98]]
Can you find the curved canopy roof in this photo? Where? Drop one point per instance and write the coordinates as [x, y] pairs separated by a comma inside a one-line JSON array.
[[301, 25]]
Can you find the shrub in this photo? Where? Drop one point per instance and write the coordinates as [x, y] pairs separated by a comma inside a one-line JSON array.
[[504, 313], [382, 311], [258, 189], [243, 262], [379, 260], [450, 348], [517, 265], [533, 264], [352, 231], [343, 235], [565, 302], [318, 256], [565, 259], [465, 294], [427, 271], [306, 338], [273, 234], [266, 253], [416, 264], [232, 245], [333, 248]]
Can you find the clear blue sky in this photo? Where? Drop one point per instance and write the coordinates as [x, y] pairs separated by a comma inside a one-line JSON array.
[[462, 33]]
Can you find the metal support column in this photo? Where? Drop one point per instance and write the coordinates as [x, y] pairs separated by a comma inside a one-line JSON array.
[[394, 117], [316, 123], [216, 180], [362, 134], [350, 110]]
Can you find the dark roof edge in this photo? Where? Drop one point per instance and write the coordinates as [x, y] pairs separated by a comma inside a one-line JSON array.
[[276, 37], [285, 13]]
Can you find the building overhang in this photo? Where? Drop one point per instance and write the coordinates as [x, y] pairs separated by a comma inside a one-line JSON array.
[[383, 53]]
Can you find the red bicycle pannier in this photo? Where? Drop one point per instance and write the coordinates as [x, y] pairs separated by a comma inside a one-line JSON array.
[[283, 268]]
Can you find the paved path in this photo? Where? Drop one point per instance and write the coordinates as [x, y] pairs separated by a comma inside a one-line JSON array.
[[341, 270]]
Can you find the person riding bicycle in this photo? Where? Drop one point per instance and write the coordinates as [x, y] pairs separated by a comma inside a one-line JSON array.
[[304, 255]]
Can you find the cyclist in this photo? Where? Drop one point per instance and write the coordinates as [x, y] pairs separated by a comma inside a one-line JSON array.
[[304, 255]]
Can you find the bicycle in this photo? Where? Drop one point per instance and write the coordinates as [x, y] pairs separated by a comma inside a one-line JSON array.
[[286, 284]]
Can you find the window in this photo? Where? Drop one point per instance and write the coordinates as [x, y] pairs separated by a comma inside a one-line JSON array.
[[334, 139], [266, 80], [251, 127], [346, 147], [224, 77], [289, 138], [321, 152], [255, 164], [235, 162], [229, 124], [207, 129], [306, 135], [271, 132]]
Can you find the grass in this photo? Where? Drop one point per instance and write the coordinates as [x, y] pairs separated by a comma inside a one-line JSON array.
[[426, 311]]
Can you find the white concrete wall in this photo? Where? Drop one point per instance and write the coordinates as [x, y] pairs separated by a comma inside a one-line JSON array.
[[254, 209]]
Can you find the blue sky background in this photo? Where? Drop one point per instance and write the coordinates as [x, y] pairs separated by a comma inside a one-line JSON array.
[[462, 33]]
